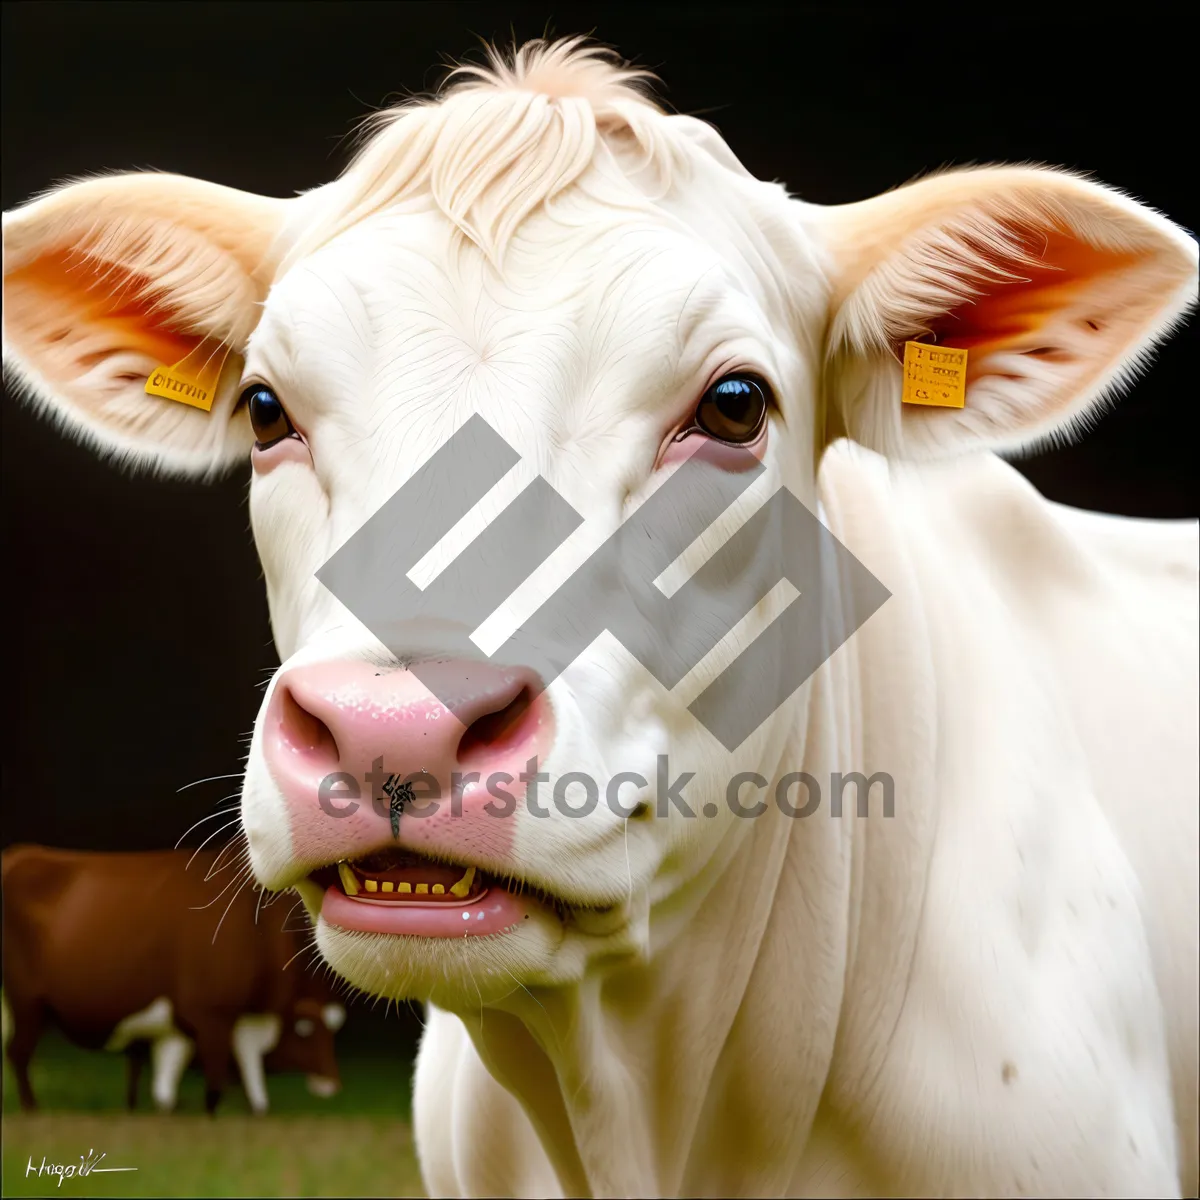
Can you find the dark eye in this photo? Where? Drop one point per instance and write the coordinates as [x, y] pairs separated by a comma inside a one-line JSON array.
[[267, 417], [733, 410]]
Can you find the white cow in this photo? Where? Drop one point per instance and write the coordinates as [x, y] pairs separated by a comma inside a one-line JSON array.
[[992, 992]]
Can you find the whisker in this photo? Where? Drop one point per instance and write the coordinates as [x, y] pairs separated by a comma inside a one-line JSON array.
[[227, 825], [232, 898], [221, 812], [306, 946], [202, 907], [243, 855], [207, 779]]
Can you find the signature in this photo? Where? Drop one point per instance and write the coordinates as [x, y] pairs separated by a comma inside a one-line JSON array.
[[89, 1164]]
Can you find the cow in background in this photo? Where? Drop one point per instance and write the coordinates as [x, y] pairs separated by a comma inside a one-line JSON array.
[[302, 1046], [134, 948]]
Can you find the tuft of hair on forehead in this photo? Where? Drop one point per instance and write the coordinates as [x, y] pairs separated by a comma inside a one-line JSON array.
[[569, 67], [501, 140]]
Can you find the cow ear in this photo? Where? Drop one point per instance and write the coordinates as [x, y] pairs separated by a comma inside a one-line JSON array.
[[108, 279], [1057, 287]]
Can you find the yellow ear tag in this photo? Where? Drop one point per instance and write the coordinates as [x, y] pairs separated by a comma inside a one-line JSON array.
[[192, 380], [934, 375]]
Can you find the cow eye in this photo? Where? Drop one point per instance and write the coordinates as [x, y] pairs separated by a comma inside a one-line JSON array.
[[305, 1027], [267, 416], [733, 410]]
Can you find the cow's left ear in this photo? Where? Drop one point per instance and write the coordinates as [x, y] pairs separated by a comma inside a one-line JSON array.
[[1055, 286]]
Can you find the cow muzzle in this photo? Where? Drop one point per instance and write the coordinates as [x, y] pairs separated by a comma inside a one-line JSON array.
[[338, 735]]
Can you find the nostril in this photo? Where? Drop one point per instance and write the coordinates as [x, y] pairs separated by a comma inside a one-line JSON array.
[[499, 731], [303, 732]]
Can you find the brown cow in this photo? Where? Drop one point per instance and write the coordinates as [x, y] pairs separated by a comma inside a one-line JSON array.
[[304, 1044], [122, 949]]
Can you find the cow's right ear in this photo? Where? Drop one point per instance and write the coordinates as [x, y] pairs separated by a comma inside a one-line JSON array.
[[108, 279]]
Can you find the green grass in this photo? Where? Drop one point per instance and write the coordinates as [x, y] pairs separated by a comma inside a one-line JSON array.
[[193, 1155], [357, 1143], [67, 1078]]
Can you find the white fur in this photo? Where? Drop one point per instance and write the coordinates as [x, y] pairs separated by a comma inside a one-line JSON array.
[[156, 1020], [169, 1057], [994, 992], [255, 1035], [170, 1049]]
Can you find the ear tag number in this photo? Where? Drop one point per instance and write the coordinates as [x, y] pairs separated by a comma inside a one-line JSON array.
[[193, 380], [934, 375]]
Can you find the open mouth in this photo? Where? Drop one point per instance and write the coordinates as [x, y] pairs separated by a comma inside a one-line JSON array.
[[397, 877], [396, 891]]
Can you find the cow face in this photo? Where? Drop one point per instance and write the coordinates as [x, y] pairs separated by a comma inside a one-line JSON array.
[[619, 301], [306, 1044], [683, 333]]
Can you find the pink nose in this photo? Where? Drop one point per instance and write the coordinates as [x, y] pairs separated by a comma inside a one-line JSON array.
[[336, 732]]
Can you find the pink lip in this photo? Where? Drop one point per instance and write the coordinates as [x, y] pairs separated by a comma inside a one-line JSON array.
[[495, 911]]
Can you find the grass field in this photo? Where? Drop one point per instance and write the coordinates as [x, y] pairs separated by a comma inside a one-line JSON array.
[[358, 1143], [189, 1155]]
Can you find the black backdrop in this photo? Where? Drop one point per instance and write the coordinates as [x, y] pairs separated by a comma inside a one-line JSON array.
[[136, 624]]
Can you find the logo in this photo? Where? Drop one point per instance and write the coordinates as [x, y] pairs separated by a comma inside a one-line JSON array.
[[614, 590]]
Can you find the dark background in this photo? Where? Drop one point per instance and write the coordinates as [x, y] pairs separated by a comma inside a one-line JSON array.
[[136, 622]]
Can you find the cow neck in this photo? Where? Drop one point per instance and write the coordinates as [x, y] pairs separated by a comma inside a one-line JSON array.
[[700, 1070], [866, 505], [703, 1069], [618, 1071]]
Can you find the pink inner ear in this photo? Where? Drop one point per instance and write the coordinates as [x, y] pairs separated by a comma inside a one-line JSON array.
[[78, 311], [1015, 314]]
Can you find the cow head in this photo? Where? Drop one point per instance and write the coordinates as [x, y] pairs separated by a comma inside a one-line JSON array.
[[618, 299], [306, 1044]]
